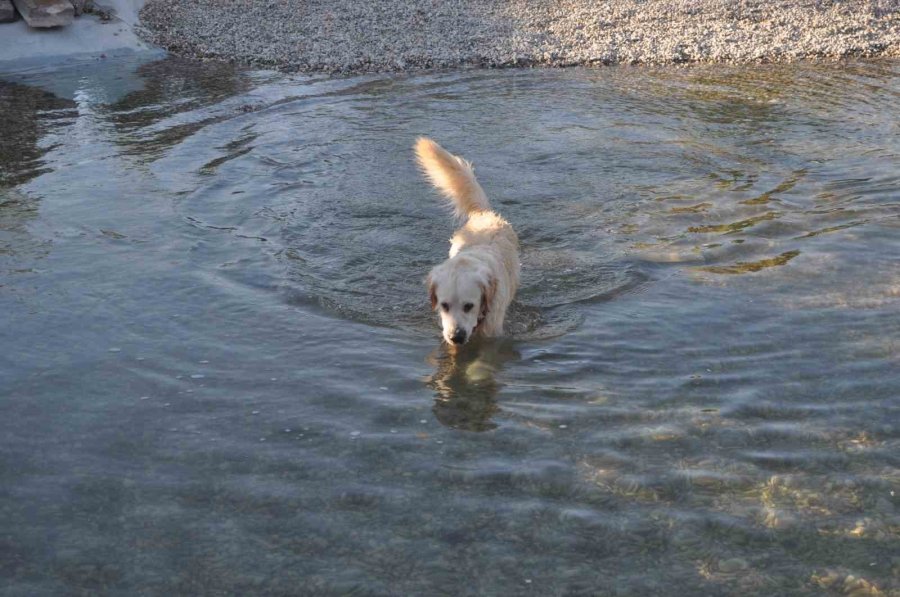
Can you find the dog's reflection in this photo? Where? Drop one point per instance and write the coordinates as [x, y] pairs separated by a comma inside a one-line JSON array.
[[465, 384]]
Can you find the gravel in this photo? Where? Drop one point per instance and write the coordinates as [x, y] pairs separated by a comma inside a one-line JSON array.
[[352, 36]]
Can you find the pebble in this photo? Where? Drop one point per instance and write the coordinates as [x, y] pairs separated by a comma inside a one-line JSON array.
[[346, 36], [733, 565]]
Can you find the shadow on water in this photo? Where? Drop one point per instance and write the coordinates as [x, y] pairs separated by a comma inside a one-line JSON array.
[[465, 382]]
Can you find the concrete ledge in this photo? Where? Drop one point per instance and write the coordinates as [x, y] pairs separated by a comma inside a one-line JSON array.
[[88, 35], [46, 13]]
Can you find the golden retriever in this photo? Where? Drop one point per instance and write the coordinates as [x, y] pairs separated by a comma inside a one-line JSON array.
[[472, 289]]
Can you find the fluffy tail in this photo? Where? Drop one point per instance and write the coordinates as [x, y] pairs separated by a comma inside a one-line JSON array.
[[453, 176]]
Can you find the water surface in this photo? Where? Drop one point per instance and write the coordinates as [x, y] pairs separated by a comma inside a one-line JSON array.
[[219, 374]]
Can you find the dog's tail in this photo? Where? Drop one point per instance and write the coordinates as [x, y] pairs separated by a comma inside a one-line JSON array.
[[453, 176]]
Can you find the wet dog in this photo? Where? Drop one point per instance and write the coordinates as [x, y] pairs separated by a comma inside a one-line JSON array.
[[472, 289]]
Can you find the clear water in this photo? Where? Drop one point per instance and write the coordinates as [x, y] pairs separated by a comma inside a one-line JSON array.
[[219, 375]]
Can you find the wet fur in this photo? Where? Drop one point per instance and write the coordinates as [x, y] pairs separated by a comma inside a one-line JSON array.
[[484, 255]]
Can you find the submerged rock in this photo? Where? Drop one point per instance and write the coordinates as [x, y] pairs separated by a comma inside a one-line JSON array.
[[46, 13], [733, 565]]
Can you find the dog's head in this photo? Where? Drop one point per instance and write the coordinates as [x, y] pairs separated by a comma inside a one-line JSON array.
[[461, 291]]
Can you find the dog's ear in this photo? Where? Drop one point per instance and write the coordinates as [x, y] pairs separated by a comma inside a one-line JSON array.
[[487, 295], [432, 291]]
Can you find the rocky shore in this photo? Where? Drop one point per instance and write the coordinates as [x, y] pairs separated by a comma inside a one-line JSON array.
[[346, 36]]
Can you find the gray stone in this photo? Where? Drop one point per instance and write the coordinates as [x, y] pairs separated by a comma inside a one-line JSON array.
[[82, 6], [46, 13], [7, 12]]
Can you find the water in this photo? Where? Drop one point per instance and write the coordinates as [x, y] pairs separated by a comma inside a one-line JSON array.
[[219, 374]]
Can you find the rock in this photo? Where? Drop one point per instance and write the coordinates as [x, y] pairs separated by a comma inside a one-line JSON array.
[[83, 6], [7, 12], [46, 13], [733, 565]]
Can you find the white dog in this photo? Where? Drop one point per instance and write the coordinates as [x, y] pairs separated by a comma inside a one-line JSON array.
[[473, 288]]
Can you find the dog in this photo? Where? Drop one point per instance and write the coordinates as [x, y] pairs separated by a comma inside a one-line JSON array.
[[472, 289]]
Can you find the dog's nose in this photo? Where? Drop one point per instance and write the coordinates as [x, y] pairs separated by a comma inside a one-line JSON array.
[[459, 336]]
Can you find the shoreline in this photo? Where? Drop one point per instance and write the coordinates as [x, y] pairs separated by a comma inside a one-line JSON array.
[[348, 37]]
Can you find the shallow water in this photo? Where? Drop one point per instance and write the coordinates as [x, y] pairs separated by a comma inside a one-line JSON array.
[[219, 374]]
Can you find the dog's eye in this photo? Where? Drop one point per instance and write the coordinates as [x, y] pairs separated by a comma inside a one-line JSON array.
[[468, 307], [445, 306]]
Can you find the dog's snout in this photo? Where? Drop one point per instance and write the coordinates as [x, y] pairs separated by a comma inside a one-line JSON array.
[[459, 336]]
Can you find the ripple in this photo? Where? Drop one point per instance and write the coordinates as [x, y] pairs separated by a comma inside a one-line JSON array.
[[216, 324]]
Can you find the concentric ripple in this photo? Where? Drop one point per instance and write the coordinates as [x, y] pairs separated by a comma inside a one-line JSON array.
[[219, 373]]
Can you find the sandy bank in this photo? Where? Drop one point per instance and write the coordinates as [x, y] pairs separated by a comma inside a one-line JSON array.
[[382, 35]]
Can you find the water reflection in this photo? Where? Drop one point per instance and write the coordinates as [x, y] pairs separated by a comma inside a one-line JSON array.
[[465, 382], [27, 117], [172, 86], [28, 113]]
